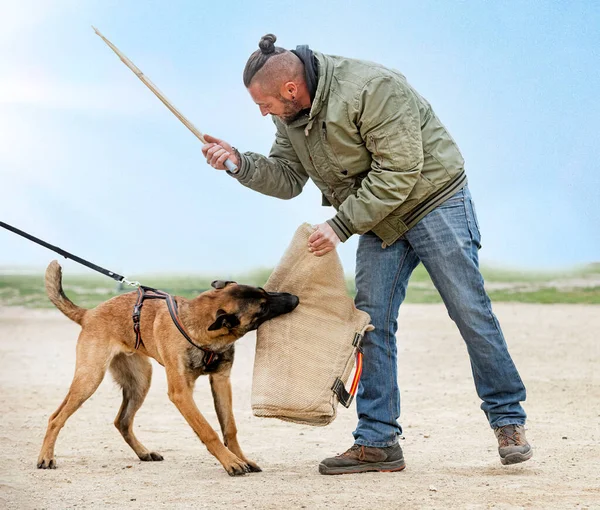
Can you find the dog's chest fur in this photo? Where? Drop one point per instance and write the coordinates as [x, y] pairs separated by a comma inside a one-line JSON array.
[[196, 361]]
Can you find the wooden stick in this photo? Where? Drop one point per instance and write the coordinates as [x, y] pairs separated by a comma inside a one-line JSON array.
[[228, 163]]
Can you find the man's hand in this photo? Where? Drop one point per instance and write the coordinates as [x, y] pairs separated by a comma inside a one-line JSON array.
[[217, 152], [322, 240]]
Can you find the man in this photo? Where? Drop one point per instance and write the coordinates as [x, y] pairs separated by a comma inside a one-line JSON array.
[[382, 158]]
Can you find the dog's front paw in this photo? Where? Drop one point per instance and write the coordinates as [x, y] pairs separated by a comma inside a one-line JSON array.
[[46, 463], [254, 467], [151, 456], [236, 467]]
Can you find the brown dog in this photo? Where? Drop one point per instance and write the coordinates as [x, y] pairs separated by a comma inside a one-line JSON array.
[[214, 320]]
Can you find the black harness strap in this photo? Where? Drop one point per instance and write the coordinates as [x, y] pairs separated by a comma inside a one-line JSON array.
[[210, 358]]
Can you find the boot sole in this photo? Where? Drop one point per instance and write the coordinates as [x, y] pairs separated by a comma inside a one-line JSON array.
[[384, 467], [515, 458]]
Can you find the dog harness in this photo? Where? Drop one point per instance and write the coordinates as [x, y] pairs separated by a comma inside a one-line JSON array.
[[211, 359]]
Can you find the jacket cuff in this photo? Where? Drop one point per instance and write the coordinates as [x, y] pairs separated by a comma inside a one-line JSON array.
[[341, 226], [244, 173]]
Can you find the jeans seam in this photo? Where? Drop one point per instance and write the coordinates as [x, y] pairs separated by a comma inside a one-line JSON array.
[[487, 302], [482, 293], [387, 320]]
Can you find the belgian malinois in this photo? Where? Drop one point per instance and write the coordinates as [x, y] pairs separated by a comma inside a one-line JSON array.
[[213, 321]]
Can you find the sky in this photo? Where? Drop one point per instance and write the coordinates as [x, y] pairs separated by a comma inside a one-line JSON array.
[[91, 161]]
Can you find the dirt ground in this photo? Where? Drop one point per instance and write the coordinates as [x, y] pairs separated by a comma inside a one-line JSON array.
[[450, 451]]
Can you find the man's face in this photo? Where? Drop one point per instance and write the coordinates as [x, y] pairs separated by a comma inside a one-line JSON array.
[[286, 109]]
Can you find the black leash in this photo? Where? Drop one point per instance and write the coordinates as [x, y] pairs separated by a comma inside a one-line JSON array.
[[210, 357], [68, 255]]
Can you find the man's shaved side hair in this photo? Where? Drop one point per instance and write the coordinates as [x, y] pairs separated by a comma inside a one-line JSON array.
[[270, 65]]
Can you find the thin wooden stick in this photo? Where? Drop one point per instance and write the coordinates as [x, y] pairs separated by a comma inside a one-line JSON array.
[[228, 163]]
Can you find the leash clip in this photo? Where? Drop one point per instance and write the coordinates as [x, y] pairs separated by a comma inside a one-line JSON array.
[[132, 284]]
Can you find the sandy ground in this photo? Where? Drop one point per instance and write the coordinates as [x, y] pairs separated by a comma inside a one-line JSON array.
[[450, 451]]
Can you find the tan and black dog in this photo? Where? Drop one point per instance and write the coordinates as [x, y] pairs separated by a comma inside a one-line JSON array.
[[214, 320]]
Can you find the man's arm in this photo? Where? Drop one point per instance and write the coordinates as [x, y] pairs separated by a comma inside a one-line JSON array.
[[280, 175], [387, 115]]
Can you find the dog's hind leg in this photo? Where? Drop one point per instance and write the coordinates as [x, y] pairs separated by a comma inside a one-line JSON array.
[[93, 356], [134, 374], [220, 384]]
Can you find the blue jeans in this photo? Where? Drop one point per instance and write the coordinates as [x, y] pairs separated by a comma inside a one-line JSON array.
[[447, 242]]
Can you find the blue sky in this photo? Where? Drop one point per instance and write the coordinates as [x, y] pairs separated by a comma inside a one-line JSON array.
[[91, 161]]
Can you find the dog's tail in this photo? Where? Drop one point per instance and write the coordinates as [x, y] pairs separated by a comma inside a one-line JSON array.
[[57, 295]]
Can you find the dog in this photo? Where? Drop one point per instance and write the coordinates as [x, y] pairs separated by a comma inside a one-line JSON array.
[[213, 321]]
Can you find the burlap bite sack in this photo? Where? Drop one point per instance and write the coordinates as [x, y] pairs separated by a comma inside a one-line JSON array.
[[304, 358]]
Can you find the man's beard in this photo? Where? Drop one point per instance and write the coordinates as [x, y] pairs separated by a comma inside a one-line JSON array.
[[292, 110]]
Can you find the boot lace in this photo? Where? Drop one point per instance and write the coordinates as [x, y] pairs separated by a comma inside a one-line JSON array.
[[508, 436], [355, 451]]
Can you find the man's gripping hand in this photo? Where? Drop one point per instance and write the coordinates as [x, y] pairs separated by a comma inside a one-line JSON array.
[[218, 151], [322, 240]]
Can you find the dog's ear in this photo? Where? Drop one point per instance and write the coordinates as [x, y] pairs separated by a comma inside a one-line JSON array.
[[220, 284], [224, 320]]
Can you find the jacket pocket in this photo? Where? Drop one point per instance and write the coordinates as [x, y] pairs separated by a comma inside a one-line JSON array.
[[340, 172]]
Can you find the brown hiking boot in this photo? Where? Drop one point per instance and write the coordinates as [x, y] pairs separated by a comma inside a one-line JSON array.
[[360, 459], [512, 444]]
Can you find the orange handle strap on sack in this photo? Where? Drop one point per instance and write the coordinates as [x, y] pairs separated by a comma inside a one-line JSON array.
[[357, 373], [346, 397]]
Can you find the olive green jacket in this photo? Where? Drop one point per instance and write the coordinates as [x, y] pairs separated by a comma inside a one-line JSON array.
[[371, 144]]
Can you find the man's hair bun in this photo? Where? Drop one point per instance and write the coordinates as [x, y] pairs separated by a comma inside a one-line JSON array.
[[267, 44], [266, 50]]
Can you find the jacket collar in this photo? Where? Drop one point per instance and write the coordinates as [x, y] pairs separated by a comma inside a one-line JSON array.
[[325, 72], [311, 70], [323, 85]]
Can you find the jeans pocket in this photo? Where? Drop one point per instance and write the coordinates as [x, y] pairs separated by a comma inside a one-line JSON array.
[[473, 222]]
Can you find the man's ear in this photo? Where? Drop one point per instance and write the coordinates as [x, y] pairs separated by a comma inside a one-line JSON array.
[[224, 320], [220, 284], [289, 90]]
